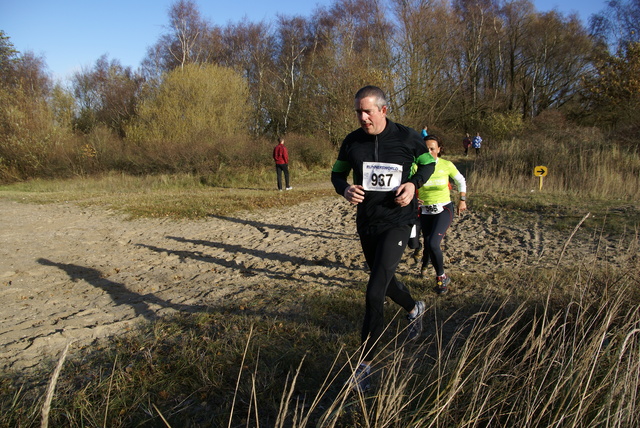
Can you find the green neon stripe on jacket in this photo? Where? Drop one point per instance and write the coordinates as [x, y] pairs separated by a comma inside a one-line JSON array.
[[423, 159], [341, 166]]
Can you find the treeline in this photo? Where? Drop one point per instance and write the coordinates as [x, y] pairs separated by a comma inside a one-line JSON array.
[[207, 95]]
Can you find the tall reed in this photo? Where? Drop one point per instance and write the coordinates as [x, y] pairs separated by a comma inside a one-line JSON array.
[[576, 166]]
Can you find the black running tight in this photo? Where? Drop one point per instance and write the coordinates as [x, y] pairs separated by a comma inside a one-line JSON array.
[[383, 253], [434, 228]]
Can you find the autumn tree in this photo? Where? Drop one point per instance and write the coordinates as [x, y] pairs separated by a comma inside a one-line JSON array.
[[476, 18], [611, 96], [195, 104], [614, 88], [557, 54], [427, 44], [30, 137], [517, 18], [351, 48]]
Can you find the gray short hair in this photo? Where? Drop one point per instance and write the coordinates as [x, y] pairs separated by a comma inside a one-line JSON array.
[[372, 91]]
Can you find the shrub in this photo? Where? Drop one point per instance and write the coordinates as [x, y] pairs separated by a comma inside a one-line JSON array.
[[194, 104], [501, 126]]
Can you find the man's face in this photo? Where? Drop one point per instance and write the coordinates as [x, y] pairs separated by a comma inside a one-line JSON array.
[[372, 119]]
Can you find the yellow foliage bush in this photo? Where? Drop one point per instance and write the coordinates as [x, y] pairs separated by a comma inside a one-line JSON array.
[[195, 104]]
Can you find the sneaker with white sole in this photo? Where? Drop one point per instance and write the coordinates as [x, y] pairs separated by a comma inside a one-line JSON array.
[[415, 322]]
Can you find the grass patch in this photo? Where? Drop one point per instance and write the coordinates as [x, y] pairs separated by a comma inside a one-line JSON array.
[[563, 211], [172, 196]]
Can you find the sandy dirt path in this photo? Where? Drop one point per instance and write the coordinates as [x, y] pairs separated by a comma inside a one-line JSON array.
[[82, 273]]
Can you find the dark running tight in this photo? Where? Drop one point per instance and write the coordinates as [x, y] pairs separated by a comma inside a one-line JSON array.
[[383, 253], [434, 228]]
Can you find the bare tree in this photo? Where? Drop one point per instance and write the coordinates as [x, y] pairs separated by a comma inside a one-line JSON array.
[[557, 52], [250, 48], [288, 72], [617, 24], [352, 46], [188, 31], [189, 39], [106, 94], [427, 42], [517, 17]]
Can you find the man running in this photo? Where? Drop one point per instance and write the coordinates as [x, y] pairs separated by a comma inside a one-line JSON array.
[[381, 154]]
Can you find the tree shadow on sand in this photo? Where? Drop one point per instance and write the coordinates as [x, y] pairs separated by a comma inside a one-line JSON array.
[[249, 269], [294, 230], [119, 293]]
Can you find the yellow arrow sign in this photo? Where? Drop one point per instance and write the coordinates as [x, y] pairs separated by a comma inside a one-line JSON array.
[[540, 171]]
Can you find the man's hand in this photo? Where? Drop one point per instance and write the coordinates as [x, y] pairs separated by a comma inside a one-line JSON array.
[[354, 194], [405, 194]]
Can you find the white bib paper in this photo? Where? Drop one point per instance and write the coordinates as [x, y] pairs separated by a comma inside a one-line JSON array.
[[381, 177], [432, 209]]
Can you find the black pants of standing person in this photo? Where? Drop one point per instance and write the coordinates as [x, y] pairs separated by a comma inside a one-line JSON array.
[[280, 169], [434, 227], [383, 253]]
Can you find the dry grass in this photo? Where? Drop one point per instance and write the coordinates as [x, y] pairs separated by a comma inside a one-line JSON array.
[[174, 196], [592, 169]]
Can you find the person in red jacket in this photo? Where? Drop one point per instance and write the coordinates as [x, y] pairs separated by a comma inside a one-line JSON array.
[[281, 156]]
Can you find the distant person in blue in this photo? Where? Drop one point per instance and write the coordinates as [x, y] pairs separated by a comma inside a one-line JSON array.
[[476, 143], [424, 132]]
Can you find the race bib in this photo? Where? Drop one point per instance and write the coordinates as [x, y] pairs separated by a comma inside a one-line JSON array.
[[381, 177], [432, 209]]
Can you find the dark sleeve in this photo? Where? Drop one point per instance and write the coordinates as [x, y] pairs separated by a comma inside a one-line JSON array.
[[425, 163], [340, 172]]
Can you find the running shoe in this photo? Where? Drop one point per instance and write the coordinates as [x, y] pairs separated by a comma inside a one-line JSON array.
[[442, 282], [415, 322], [360, 381]]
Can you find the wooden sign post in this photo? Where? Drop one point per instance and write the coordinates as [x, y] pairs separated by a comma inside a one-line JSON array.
[[540, 171]]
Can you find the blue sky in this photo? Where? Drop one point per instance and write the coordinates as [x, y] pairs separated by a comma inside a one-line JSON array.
[[71, 34]]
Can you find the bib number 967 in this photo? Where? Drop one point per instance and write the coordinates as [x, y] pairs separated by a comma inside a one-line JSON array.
[[381, 177]]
